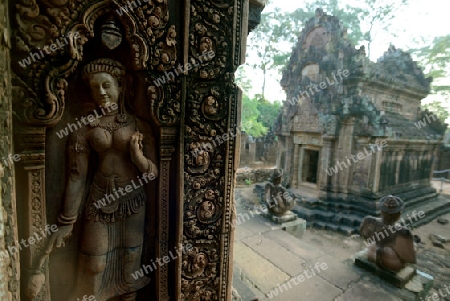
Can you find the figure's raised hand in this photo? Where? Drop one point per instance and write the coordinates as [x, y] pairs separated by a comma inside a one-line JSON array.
[[136, 148], [136, 151]]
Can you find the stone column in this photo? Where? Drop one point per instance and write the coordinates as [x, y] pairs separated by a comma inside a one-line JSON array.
[[32, 211], [376, 164], [252, 152], [325, 158], [343, 153], [296, 178], [9, 262]]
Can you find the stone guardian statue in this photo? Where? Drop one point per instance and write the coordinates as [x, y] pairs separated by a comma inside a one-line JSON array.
[[277, 198], [392, 245]]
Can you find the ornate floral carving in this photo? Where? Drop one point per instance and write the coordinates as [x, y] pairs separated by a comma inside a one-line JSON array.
[[164, 102], [200, 266], [152, 46], [210, 115], [209, 34]]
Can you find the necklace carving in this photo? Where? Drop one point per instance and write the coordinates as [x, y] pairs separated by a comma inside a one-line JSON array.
[[121, 121]]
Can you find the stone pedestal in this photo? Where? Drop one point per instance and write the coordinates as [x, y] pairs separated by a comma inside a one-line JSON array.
[[295, 228], [289, 216], [289, 222], [412, 284]]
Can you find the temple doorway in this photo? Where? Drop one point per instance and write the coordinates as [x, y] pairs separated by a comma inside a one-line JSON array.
[[310, 166]]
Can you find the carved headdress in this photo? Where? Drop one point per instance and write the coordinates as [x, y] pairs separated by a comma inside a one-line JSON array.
[[116, 70], [391, 204]]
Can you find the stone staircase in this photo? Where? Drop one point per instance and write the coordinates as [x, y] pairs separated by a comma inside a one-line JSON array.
[[346, 215]]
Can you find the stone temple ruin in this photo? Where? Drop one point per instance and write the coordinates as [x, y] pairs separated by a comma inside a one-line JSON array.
[[352, 130]]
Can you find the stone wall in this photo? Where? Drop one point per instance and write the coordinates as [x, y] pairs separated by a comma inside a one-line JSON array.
[[9, 265], [248, 177], [258, 152], [443, 160]]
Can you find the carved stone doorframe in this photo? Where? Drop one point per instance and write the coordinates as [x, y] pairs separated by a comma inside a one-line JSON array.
[[198, 106]]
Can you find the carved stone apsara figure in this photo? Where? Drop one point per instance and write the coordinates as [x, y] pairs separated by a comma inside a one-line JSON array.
[[394, 245], [112, 238], [278, 199]]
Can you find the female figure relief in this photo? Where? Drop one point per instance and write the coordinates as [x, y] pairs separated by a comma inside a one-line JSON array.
[[114, 212]]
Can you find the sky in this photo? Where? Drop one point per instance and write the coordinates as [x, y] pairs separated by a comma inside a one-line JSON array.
[[416, 25]]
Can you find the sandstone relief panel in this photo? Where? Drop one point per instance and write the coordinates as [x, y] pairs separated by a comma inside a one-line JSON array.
[[113, 100]]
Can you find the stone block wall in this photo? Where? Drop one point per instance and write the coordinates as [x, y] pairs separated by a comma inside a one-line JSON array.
[[9, 263]]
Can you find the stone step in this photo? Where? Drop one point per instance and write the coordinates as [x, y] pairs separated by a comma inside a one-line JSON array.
[[338, 206], [333, 227], [436, 207], [319, 214], [349, 208]]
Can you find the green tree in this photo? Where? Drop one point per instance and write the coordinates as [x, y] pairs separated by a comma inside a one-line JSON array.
[[268, 111], [378, 14], [264, 42], [438, 110], [436, 59], [249, 117], [350, 16]]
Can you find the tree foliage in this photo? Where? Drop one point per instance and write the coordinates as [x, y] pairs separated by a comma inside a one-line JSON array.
[[378, 16], [438, 110], [264, 42], [436, 59], [249, 117], [268, 111], [258, 115]]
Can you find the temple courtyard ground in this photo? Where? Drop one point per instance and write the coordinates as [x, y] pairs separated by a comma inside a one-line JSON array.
[[266, 257]]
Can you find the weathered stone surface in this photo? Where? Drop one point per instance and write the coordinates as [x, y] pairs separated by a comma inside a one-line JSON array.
[[339, 273], [315, 288], [279, 256], [298, 247], [9, 261], [398, 279], [438, 240], [295, 228], [175, 81], [367, 290], [349, 126], [442, 221], [264, 274]]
